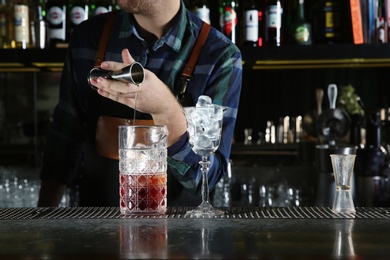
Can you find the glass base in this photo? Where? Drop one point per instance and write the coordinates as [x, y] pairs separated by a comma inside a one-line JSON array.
[[343, 202], [204, 210]]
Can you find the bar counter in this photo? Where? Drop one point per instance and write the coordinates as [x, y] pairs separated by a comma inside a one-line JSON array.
[[276, 233]]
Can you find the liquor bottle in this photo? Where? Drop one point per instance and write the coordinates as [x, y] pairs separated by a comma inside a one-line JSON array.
[[21, 24], [3, 23], [39, 25], [332, 27], [56, 18], [78, 12], [6, 24], [251, 25], [381, 31], [229, 19], [301, 29], [370, 163], [328, 21], [100, 6], [274, 31], [202, 10]]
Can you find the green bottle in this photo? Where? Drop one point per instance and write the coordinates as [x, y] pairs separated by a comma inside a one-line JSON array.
[[301, 29]]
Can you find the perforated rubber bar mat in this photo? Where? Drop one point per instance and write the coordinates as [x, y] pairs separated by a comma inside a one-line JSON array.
[[179, 212]]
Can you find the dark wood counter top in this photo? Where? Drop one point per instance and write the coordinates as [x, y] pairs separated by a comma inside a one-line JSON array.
[[277, 233]]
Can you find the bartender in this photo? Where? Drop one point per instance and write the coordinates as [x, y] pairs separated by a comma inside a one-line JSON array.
[[160, 35]]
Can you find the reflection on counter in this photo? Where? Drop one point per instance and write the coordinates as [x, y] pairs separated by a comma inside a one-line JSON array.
[[134, 240], [343, 245]]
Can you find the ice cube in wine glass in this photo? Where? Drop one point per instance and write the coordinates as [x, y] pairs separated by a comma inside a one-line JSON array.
[[203, 101]]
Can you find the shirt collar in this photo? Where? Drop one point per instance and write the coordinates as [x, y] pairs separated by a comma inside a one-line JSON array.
[[172, 38]]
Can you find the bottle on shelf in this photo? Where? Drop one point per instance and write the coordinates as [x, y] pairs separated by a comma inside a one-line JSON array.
[[328, 21], [100, 6], [78, 12], [21, 24], [6, 24], [274, 34], [229, 19], [301, 29], [381, 31], [39, 26], [3, 22], [202, 10], [56, 17], [251, 25]]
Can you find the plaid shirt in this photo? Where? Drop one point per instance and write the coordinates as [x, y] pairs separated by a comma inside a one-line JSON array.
[[218, 74]]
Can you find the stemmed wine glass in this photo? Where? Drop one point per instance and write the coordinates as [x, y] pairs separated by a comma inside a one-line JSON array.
[[204, 126]]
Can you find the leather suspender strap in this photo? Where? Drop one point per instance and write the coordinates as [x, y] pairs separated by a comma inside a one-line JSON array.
[[189, 68], [104, 38], [196, 51]]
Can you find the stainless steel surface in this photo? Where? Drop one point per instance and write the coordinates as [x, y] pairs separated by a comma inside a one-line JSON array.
[[266, 233], [134, 73]]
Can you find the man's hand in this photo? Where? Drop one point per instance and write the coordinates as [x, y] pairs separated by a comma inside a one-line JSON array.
[[152, 97]]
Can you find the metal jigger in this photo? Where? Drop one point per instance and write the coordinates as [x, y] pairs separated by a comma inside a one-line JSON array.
[[134, 73], [343, 170]]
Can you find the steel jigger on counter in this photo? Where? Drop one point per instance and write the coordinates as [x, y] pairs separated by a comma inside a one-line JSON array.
[[134, 73]]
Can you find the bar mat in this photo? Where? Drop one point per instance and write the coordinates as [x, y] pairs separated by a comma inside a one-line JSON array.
[[179, 212]]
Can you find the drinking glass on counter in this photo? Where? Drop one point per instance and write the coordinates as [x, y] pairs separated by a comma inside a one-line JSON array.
[[143, 169], [204, 127], [343, 169]]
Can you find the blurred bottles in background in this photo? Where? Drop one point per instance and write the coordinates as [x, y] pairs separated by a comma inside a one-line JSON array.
[[274, 28], [21, 24], [300, 29], [254, 23], [229, 19], [45, 23], [78, 12], [6, 24], [56, 17], [202, 10], [328, 21], [100, 7], [251, 22], [39, 25]]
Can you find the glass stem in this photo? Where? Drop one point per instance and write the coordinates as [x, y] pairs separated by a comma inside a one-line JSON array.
[[205, 183]]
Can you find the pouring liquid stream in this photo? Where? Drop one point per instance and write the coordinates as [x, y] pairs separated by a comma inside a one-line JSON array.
[[135, 106]]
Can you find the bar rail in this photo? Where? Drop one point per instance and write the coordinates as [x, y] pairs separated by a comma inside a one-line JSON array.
[[179, 212], [242, 233]]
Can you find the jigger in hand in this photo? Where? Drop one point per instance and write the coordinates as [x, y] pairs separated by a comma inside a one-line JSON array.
[[134, 73]]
